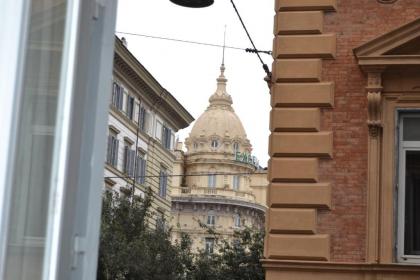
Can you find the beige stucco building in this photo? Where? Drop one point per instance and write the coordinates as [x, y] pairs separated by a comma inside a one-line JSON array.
[[143, 120], [222, 184]]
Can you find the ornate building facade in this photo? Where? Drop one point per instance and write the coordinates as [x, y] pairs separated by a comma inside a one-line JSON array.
[[222, 185], [344, 172], [143, 120]]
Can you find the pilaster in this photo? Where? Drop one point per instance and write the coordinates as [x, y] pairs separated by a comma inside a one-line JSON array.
[[297, 142], [374, 122]]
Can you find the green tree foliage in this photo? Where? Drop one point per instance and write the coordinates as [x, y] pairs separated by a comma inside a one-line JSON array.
[[131, 249], [237, 259]]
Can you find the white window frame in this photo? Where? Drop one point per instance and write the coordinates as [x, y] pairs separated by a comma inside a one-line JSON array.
[[403, 147], [209, 245], [237, 221], [70, 253], [211, 218], [163, 182], [212, 181], [159, 130], [236, 182]]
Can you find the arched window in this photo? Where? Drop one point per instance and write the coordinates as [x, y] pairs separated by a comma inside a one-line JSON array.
[[235, 148]]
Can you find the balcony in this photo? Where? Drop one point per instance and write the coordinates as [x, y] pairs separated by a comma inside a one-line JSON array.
[[213, 192]]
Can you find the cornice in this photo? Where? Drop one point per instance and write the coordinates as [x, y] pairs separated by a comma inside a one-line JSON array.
[[336, 266], [366, 62], [389, 41], [219, 162], [126, 63]]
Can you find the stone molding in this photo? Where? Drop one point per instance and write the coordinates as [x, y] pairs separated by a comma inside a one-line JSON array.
[[376, 58], [374, 97], [306, 5], [316, 270]]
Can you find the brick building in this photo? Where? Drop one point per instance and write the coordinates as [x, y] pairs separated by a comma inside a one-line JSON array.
[[344, 173]]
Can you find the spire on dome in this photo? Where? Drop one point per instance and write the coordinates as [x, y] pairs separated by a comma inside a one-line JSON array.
[[221, 97]]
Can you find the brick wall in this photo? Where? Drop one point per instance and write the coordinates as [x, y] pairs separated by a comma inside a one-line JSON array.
[[354, 23]]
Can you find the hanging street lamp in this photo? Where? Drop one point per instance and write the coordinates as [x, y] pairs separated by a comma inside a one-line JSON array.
[[193, 3]]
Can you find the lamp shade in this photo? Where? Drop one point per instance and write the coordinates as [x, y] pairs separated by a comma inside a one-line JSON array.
[[193, 3]]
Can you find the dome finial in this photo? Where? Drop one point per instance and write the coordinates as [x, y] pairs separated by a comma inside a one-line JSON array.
[[221, 97], [224, 47]]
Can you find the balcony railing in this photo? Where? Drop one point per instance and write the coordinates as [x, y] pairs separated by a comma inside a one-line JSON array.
[[219, 192]]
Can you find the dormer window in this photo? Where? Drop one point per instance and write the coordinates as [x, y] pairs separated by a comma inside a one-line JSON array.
[[214, 144]]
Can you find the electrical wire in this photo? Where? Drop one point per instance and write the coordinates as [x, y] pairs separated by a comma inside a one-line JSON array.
[[192, 42], [265, 67]]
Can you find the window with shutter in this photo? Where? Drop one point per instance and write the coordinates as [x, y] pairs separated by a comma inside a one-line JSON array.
[[163, 181], [114, 94], [112, 150], [117, 95], [126, 159], [140, 170], [109, 150], [120, 97], [132, 163], [166, 137], [142, 118], [130, 107], [115, 146], [129, 161]]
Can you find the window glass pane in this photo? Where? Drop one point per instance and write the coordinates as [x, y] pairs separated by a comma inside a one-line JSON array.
[[412, 204], [37, 121], [211, 180], [209, 245], [411, 129]]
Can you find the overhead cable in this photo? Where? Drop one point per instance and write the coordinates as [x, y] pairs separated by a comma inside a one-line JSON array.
[[255, 50], [191, 42]]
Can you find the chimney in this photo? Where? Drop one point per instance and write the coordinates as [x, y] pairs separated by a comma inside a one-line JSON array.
[[124, 41]]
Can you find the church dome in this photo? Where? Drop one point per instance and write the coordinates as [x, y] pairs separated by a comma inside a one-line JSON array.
[[219, 121]]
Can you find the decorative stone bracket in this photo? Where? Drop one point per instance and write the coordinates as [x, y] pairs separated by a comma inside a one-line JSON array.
[[374, 96]]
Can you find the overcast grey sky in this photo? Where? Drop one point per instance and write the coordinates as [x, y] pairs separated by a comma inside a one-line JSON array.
[[189, 71]]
